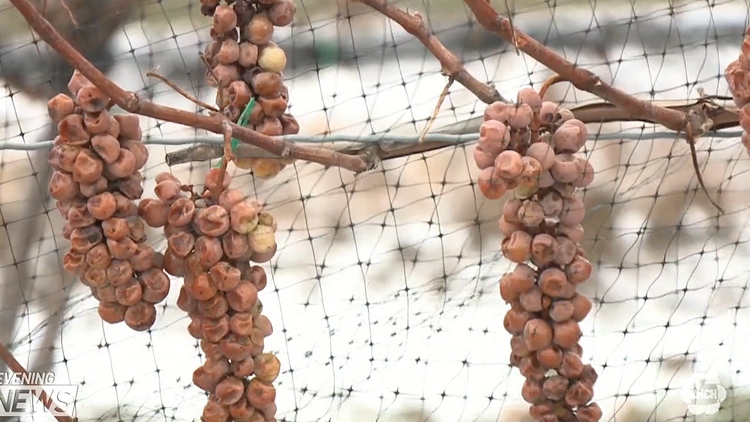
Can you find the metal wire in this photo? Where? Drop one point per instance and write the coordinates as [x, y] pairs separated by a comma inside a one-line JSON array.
[[384, 137]]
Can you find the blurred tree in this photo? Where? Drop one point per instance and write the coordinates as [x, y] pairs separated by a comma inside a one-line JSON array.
[[39, 72]]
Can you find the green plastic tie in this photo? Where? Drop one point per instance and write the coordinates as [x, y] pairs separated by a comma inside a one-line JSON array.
[[244, 117]]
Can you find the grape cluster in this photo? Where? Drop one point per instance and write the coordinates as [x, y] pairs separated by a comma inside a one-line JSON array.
[[247, 64], [531, 148], [211, 241], [97, 157], [737, 75]]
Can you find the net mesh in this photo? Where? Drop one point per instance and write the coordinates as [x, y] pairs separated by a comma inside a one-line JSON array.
[[384, 290]]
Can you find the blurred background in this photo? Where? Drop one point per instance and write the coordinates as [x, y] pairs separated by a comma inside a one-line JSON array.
[[384, 290]]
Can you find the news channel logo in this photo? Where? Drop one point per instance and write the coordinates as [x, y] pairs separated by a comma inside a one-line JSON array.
[[703, 394], [36, 393]]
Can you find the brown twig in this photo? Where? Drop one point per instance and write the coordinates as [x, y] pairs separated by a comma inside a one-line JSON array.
[[130, 102], [187, 95], [696, 167], [64, 4], [220, 89], [415, 25], [548, 84], [435, 112], [581, 78], [7, 357]]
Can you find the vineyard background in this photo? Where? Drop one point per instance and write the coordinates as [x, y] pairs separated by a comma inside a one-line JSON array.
[[384, 290]]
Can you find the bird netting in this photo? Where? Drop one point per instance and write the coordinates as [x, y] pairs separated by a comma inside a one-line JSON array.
[[383, 292]]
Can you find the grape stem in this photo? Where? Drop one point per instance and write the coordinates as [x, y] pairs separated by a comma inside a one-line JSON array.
[[548, 84], [696, 167]]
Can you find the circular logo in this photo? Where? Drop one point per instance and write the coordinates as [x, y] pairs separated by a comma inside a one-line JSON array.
[[703, 394]]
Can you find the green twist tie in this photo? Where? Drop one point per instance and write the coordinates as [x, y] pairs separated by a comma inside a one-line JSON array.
[[244, 117]]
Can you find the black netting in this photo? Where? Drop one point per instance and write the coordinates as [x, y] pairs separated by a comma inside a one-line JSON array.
[[384, 291]]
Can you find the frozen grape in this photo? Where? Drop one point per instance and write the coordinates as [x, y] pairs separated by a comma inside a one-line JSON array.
[[521, 116], [530, 213], [483, 159], [566, 168], [586, 176], [589, 413], [526, 192], [537, 334], [229, 52], [567, 138], [550, 357], [282, 12], [551, 203], [546, 180], [543, 249], [260, 30], [573, 212], [531, 300], [566, 334], [543, 153], [579, 270], [530, 173], [531, 391], [574, 233], [510, 210], [566, 250], [499, 111], [517, 247], [562, 310], [492, 137], [508, 165], [224, 19], [578, 394], [582, 307], [531, 97], [548, 112], [272, 59], [59, 107], [555, 284], [507, 228], [489, 185]]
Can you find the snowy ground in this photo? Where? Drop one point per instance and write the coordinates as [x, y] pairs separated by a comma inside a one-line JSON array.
[[384, 290]]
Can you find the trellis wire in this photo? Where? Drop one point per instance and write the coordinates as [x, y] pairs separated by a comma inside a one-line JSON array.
[[372, 139]]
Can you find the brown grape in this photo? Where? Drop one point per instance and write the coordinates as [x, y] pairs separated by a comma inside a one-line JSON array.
[[489, 185], [531, 97], [492, 137], [508, 165], [543, 153]]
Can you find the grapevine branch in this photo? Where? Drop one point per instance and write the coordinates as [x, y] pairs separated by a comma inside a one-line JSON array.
[[579, 77], [415, 25], [15, 366], [722, 117], [130, 102], [692, 124]]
